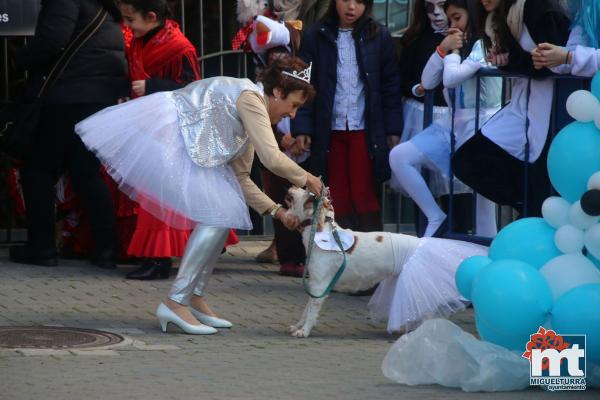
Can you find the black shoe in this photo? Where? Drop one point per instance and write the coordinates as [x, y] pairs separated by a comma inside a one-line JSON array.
[[104, 259], [152, 268], [25, 255]]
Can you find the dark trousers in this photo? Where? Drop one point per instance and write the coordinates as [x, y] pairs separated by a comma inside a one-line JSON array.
[[288, 244], [495, 174], [57, 148]]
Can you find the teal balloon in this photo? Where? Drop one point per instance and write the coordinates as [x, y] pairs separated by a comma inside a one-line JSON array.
[[501, 337], [511, 298], [530, 240], [466, 272], [596, 85], [573, 157], [576, 312]]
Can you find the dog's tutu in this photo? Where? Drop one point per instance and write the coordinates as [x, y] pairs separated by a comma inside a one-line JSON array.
[[425, 288], [140, 145]]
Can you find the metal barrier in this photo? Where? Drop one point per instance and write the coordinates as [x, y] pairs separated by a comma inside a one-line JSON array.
[[558, 119]]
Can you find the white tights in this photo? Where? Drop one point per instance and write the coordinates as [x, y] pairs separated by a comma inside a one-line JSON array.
[[406, 161]]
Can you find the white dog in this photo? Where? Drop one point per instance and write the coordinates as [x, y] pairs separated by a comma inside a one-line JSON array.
[[370, 258]]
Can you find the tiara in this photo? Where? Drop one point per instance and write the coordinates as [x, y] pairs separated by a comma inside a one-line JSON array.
[[303, 75]]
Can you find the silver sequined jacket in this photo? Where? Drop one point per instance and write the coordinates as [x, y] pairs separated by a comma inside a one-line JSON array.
[[208, 119]]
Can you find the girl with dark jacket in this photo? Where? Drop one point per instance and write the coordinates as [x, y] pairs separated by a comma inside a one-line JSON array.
[[357, 111], [93, 80]]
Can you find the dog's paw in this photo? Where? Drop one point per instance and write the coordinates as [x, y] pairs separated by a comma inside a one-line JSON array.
[[300, 333]]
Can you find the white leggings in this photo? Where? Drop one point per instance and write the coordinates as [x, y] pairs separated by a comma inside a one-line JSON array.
[[406, 161]]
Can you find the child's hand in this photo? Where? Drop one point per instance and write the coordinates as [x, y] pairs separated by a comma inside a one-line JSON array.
[[498, 60], [420, 90], [453, 41], [303, 141], [138, 87], [392, 141], [549, 56], [287, 141]]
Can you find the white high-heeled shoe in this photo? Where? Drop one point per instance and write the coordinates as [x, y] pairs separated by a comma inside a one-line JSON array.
[[166, 315], [215, 322]]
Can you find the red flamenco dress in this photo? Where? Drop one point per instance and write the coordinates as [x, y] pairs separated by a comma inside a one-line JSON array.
[[166, 60]]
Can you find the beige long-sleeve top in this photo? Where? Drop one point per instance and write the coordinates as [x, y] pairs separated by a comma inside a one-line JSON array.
[[252, 109]]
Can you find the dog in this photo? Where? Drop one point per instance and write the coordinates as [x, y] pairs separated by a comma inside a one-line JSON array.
[[370, 257]]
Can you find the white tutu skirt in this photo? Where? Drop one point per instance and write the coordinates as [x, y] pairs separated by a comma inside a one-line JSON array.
[[140, 145], [425, 288]]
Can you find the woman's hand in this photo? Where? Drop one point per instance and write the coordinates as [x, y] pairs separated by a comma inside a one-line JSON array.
[[453, 41], [288, 220], [139, 87], [547, 55], [313, 184]]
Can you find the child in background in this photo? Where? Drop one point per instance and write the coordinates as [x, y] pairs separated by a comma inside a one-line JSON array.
[[357, 112], [492, 162], [160, 59], [425, 32], [455, 61]]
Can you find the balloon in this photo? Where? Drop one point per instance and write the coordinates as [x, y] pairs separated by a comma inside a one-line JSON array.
[[591, 239], [555, 211], [596, 86], [513, 299], [594, 181], [578, 218], [530, 240], [590, 202], [576, 312], [582, 106], [573, 157], [466, 273], [500, 337], [564, 273], [569, 239]]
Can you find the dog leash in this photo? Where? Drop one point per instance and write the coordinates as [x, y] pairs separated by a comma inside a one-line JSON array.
[[317, 205]]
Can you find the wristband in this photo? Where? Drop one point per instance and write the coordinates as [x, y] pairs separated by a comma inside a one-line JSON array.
[[441, 52], [274, 210]]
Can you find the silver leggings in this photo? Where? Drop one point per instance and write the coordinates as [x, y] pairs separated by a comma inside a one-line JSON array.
[[201, 253]]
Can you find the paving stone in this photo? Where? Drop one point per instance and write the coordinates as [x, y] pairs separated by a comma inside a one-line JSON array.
[[256, 359]]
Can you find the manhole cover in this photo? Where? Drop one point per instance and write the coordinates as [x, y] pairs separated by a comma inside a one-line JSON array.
[[50, 337]]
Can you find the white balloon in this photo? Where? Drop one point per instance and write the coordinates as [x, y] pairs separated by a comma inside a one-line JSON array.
[[555, 211], [569, 239], [580, 219], [583, 106], [594, 181], [568, 271], [591, 239]]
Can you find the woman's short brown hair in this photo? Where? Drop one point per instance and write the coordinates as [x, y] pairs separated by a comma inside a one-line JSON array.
[[272, 77]]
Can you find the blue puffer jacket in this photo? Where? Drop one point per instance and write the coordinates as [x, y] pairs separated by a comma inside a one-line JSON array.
[[379, 71]]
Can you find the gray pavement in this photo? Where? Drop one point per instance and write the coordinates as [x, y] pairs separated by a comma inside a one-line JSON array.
[[254, 360]]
